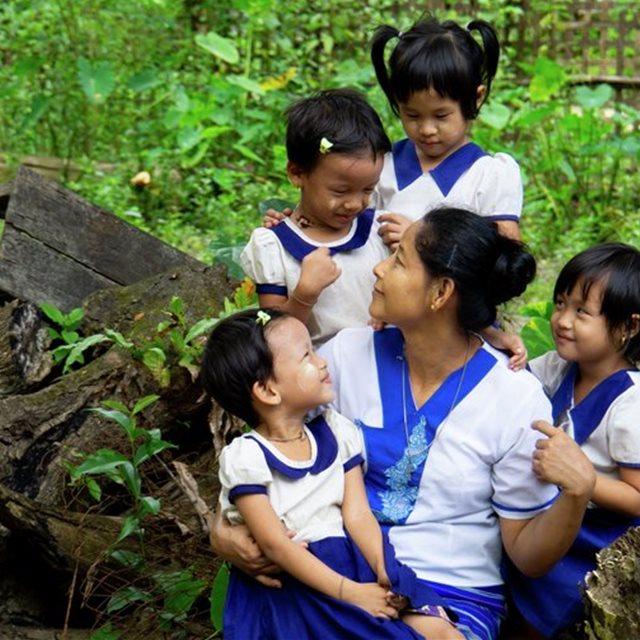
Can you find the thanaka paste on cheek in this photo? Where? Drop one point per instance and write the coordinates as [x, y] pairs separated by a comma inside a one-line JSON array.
[[307, 377]]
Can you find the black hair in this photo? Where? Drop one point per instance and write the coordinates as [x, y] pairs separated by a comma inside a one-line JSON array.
[[617, 267], [343, 117], [236, 357], [440, 56], [486, 267]]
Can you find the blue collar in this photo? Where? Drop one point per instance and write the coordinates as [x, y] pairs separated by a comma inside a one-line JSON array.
[[299, 248], [326, 452], [389, 347], [588, 413], [445, 175]]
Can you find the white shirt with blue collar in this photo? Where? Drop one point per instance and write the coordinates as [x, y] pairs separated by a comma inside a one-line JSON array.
[[605, 423], [272, 259], [438, 476], [469, 178]]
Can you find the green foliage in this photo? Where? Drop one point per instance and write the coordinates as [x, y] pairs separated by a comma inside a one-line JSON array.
[[536, 333], [218, 596]]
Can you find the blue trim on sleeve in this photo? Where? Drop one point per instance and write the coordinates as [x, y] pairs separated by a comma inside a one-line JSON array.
[[274, 289], [245, 490], [353, 462], [524, 510], [505, 216], [298, 247], [628, 465]]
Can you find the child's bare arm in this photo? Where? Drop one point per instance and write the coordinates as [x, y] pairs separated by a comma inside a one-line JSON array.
[[509, 228], [622, 496], [270, 535], [361, 524], [509, 342]]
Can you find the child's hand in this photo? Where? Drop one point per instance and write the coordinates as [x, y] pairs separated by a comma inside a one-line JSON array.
[[273, 217], [558, 459], [318, 271], [392, 226], [509, 342], [369, 596]]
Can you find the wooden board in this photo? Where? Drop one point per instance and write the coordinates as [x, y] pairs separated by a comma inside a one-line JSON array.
[[58, 248]]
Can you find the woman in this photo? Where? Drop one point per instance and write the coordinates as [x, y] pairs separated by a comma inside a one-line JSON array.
[[447, 426]]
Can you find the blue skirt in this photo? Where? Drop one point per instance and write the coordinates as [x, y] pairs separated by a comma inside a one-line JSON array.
[[297, 612], [554, 601]]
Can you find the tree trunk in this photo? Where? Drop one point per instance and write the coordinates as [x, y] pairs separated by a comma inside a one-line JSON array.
[[612, 598]]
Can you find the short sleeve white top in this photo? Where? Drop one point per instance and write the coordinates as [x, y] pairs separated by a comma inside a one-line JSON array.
[[606, 423], [440, 475], [469, 178], [272, 259], [306, 495]]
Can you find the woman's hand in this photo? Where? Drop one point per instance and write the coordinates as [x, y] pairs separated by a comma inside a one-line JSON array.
[[369, 596], [234, 544], [558, 459], [392, 226]]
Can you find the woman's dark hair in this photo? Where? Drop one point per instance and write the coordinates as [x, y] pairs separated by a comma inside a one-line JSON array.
[[440, 56], [617, 267], [343, 117], [236, 357], [486, 267]]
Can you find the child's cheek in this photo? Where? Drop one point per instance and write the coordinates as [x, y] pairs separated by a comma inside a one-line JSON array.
[[307, 376]]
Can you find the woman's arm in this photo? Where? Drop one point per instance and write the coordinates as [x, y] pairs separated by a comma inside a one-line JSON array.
[[235, 544], [535, 545], [361, 523], [270, 535]]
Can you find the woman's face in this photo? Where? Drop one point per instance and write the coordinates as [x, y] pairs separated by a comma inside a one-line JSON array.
[[403, 285]]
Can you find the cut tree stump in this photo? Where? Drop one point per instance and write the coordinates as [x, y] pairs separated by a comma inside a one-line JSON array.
[[58, 248], [612, 598]]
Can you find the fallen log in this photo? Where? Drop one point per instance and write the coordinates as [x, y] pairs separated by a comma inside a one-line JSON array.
[[24, 342]]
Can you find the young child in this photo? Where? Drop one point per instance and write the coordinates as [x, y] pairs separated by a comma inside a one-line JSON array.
[[436, 80], [594, 386], [318, 264], [288, 475]]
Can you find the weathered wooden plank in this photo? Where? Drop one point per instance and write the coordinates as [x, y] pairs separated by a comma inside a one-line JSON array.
[[30, 270], [85, 233]]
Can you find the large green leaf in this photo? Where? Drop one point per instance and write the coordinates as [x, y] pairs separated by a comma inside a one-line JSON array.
[[549, 77], [219, 595], [218, 46], [97, 79]]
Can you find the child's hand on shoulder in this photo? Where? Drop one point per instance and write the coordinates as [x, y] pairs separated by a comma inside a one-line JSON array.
[[509, 342], [392, 226], [273, 218]]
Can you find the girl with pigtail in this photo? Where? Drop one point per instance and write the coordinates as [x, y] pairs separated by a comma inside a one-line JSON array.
[[436, 79]]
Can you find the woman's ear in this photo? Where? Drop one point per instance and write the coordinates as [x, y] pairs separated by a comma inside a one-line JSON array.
[[295, 173], [441, 292], [266, 393]]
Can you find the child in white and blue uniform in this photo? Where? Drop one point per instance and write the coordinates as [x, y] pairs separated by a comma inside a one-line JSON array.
[[317, 265], [436, 79], [594, 387], [286, 474]]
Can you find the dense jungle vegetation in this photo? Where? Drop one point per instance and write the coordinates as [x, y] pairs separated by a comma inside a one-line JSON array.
[[193, 93], [169, 113]]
